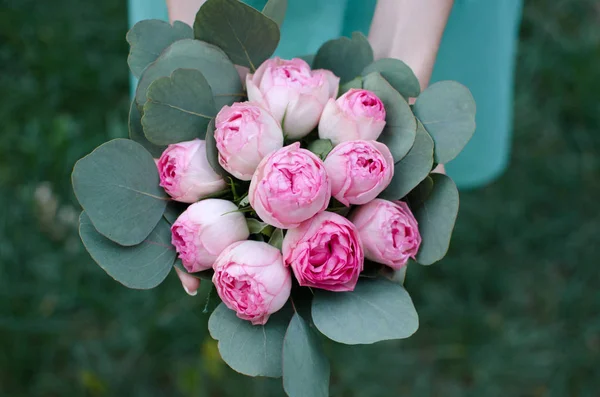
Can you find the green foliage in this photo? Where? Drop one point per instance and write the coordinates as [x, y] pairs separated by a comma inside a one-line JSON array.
[[179, 107], [149, 38], [275, 9], [141, 266], [320, 147], [212, 153], [117, 186], [377, 310], [305, 366], [214, 65], [257, 227], [173, 210], [247, 36], [345, 57], [400, 124], [356, 83], [447, 110], [136, 132], [398, 74], [276, 239]]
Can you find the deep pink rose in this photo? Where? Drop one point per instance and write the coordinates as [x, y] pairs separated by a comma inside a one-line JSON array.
[[289, 187], [245, 134], [325, 252], [251, 279], [204, 230], [292, 89], [389, 232], [359, 171], [358, 114], [185, 173]]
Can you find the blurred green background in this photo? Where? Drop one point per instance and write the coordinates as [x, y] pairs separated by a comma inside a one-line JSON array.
[[514, 309]]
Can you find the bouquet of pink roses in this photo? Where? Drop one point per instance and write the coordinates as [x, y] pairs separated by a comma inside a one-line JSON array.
[[302, 193]]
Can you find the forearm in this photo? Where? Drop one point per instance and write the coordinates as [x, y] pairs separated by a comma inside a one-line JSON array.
[[183, 10]]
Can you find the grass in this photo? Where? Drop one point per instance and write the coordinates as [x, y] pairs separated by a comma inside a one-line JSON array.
[[513, 310]]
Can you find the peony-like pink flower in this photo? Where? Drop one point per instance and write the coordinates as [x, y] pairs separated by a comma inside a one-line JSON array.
[[185, 173], [245, 134], [325, 252], [289, 187], [389, 232], [204, 230], [359, 171], [293, 93], [251, 279], [358, 114]]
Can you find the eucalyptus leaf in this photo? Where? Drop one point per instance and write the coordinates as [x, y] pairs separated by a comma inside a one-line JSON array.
[[118, 187], [305, 367], [253, 350], [276, 239], [398, 74], [321, 147], [310, 58], [141, 266], [173, 210], [275, 9], [211, 61], [136, 132], [148, 39], [345, 57], [413, 168], [420, 193], [436, 217], [378, 309], [257, 227], [447, 110], [246, 35], [400, 124], [179, 107], [355, 83], [212, 153]]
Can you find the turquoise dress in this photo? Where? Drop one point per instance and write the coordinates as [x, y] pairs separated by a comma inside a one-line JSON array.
[[478, 49]]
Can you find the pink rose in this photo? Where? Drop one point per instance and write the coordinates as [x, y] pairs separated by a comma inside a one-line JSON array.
[[358, 114], [325, 252], [245, 134], [251, 279], [389, 232], [292, 89], [289, 187], [359, 171], [185, 173], [204, 230]]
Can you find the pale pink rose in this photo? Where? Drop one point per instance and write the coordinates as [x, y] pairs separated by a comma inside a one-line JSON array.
[[292, 89], [289, 187], [358, 114], [389, 232], [204, 230], [251, 279], [325, 252], [359, 171], [185, 173], [245, 134]]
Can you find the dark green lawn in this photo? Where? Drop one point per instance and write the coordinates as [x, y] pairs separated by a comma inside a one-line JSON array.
[[514, 310]]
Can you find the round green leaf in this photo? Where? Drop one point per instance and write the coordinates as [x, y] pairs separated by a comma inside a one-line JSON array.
[[400, 124], [377, 309], [276, 239], [141, 266], [275, 9], [356, 83], [436, 217], [117, 186], [179, 107], [212, 153], [398, 74], [136, 132], [173, 210], [148, 38], [419, 194], [253, 350], [309, 58], [246, 35], [305, 366], [214, 65], [321, 147], [447, 110], [345, 57], [413, 168], [257, 227]]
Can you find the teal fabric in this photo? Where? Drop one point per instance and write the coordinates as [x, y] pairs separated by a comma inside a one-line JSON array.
[[478, 50]]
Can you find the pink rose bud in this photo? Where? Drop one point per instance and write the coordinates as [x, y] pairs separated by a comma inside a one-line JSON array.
[[289, 187], [292, 89], [359, 171], [358, 114], [325, 252], [185, 173], [389, 232], [251, 279], [204, 230], [245, 134]]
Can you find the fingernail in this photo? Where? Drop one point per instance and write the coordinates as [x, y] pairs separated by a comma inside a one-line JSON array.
[[188, 291]]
